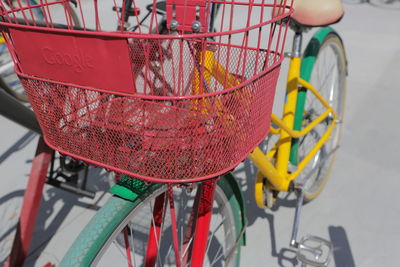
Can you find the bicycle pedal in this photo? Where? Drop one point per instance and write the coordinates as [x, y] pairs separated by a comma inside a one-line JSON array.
[[314, 251]]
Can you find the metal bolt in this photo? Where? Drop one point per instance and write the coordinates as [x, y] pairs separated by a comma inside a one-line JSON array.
[[173, 25], [196, 26]]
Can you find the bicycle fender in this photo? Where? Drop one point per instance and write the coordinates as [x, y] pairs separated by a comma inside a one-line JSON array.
[[134, 189], [231, 187], [311, 52]]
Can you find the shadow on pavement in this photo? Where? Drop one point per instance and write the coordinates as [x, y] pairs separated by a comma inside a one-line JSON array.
[[341, 247], [50, 207], [342, 255], [246, 174], [99, 181], [20, 144], [286, 257], [10, 206]]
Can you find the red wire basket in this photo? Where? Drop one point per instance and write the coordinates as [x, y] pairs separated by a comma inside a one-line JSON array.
[[180, 94]]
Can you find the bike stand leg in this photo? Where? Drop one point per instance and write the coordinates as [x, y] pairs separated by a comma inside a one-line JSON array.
[[311, 250], [30, 205]]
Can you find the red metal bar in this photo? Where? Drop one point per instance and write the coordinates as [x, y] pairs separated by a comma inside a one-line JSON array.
[[190, 230], [127, 246], [203, 223], [30, 206], [154, 232], [174, 228]]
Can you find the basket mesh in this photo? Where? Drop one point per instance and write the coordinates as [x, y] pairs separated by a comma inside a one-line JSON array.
[[179, 139], [162, 102]]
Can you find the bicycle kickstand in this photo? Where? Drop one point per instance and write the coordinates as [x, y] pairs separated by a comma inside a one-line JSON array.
[[311, 250]]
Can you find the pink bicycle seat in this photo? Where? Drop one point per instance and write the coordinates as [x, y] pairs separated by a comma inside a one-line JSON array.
[[316, 13]]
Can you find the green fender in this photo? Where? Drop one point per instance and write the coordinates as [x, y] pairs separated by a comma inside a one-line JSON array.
[[132, 189], [307, 64], [232, 190]]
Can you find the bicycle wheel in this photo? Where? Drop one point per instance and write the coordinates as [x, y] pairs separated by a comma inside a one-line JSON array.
[[122, 225], [327, 73]]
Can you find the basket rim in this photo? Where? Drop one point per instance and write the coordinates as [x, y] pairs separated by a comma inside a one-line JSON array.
[[276, 64], [288, 11]]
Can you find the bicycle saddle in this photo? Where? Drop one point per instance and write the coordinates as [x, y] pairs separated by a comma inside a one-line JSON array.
[[315, 13]]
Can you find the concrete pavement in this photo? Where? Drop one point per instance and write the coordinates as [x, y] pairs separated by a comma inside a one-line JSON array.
[[357, 211]]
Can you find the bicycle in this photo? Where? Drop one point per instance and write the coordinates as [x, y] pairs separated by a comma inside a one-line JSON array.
[[203, 113]]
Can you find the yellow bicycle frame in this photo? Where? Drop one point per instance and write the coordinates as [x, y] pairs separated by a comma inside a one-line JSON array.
[[277, 174], [275, 171]]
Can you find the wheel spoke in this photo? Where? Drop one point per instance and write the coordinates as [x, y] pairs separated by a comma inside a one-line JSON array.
[[219, 257], [212, 234], [120, 250]]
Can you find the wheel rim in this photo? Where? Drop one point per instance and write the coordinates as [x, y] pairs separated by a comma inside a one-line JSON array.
[[222, 234], [328, 76]]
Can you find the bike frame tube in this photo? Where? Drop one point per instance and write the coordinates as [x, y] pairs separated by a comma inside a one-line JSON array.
[[278, 175], [285, 139], [190, 231], [127, 246], [269, 171], [153, 241], [313, 151], [174, 228], [30, 205], [203, 222]]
